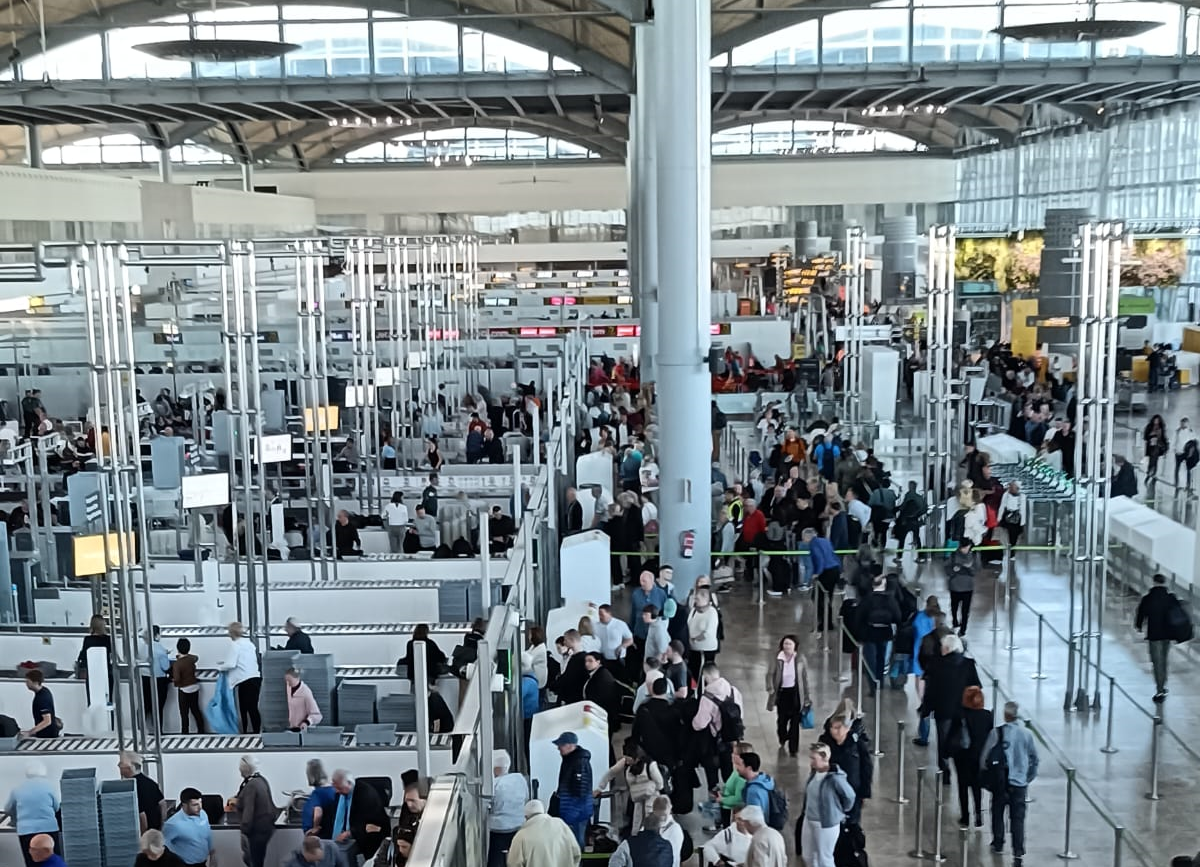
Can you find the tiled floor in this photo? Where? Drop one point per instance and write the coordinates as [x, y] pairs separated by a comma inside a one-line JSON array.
[[1111, 788]]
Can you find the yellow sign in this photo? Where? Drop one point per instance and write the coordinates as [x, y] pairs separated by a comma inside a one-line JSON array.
[[1024, 336], [327, 419], [800, 281], [89, 553]]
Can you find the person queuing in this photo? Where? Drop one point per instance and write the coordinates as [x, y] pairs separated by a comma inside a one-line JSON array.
[[360, 818], [255, 810], [643, 782], [188, 833], [315, 852], [346, 541], [45, 723], [767, 847], [730, 796], [879, 616], [1008, 794], [1187, 451], [829, 800], [41, 852], [850, 749], [703, 623], [788, 693], [730, 845], [543, 841], [395, 515], [574, 784], [187, 686], [241, 665], [645, 848], [149, 795], [977, 722], [929, 627], [34, 804], [510, 792], [960, 571], [153, 852], [298, 639], [301, 703], [316, 819], [946, 679], [156, 683], [719, 712], [424, 534], [615, 638]]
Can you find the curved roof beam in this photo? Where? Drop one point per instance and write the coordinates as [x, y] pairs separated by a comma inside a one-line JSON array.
[[765, 23], [926, 134], [138, 12], [560, 128]]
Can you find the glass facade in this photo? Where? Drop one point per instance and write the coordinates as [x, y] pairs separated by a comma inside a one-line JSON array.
[[127, 149], [477, 144], [1144, 169], [786, 137]]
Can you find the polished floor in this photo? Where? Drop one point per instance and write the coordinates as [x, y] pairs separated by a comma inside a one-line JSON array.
[[1109, 800]]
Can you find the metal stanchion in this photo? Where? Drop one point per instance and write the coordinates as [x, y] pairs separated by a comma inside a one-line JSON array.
[[996, 627], [839, 677], [1039, 674], [1066, 854], [964, 839], [1154, 751], [859, 655], [996, 692], [917, 851], [1108, 745], [762, 596], [1012, 626], [939, 808], [816, 608], [878, 720], [1118, 845], [901, 750]]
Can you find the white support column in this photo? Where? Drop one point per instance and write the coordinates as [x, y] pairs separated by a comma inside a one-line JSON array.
[[643, 200], [166, 171], [33, 146], [682, 114]]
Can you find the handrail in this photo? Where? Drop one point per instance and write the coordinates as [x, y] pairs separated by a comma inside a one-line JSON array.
[[1060, 757]]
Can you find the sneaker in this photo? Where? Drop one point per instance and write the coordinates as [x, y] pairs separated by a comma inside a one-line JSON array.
[[1160, 697], [774, 593], [917, 742], [1016, 862], [963, 824], [997, 849]]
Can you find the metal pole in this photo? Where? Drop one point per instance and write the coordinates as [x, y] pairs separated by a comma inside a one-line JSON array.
[[1039, 675], [1154, 752], [1012, 623], [996, 692], [901, 751], [938, 809], [996, 627], [878, 720], [762, 596], [1118, 845], [1066, 854], [483, 677], [858, 654], [1108, 744], [964, 836], [917, 851], [485, 565], [420, 691]]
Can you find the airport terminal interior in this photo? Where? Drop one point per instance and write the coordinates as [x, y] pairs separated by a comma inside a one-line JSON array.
[[768, 428]]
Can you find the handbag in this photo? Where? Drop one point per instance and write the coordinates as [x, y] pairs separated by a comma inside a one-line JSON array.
[[958, 739], [806, 718]]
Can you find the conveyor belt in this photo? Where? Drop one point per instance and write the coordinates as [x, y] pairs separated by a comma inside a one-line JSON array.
[[343, 672], [356, 584], [188, 631], [204, 744]]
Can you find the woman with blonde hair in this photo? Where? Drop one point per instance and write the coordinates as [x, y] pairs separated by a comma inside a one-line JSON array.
[[241, 668], [588, 641]]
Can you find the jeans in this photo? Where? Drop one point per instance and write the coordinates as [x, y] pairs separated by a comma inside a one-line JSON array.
[[1012, 799], [818, 843], [396, 534], [579, 829], [498, 845], [803, 567], [902, 535], [875, 654], [1158, 658], [923, 730]]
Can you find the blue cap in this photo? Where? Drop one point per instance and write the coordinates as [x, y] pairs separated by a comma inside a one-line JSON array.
[[566, 738]]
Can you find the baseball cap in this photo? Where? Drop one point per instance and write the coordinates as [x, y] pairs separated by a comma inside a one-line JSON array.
[[566, 738]]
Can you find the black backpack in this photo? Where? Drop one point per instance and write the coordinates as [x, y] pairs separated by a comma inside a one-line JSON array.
[[994, 774], [733, 729], [777, 808], [1179, 624], [851, 847]]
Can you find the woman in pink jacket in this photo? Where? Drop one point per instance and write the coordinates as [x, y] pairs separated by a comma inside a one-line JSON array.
[[302, 706]]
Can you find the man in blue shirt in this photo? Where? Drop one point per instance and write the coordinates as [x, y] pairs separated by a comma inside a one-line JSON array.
[[41, 851], [648, 592], [159, 674], [33, 804], [1021, 754], [188, 833], [510, 791], [827, 568]]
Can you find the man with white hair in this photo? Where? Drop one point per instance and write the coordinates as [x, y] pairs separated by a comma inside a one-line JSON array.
[[297, 638], [510, 791], [1021, 757], [543, 841], [945, 682], [33, 805], [149, 795], [153, 852], [767, 848], [256, 812], [360, 818], [731, 845]]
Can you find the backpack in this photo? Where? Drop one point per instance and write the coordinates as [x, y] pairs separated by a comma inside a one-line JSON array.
[[733, 729], [994, 774], [1179, 624], [777, 807], [1191, 453], [851, 847]]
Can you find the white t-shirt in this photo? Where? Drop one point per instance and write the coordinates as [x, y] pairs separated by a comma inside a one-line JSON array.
[[859, 511], [396, 513]]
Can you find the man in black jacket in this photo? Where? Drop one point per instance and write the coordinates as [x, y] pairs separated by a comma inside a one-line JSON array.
[[601, 688], [658, 727], [1152, 615], [361, 825], [850, 751], [945, 682], [880, 615], [574, 513], [297, 638]]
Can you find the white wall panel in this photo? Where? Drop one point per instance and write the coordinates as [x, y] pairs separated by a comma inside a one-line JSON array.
[[29, 194]]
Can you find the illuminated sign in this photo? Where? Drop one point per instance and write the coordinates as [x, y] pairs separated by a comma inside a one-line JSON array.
[[89, 552], [802, 280]]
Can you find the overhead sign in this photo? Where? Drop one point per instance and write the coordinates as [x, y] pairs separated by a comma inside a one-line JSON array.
[[88, 553], [274, 448], [803, 279], [205, 491], [326, 419]]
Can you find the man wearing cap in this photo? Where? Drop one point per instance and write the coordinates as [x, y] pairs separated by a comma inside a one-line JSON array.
[[297, 638], [574, 784], [543, 841]]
